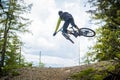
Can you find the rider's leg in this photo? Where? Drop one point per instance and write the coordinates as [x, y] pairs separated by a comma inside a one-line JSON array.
[[73, 23], [65, 26], [65, 31]]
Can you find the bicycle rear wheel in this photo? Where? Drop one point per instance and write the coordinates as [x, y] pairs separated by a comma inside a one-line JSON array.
[[87, 32]]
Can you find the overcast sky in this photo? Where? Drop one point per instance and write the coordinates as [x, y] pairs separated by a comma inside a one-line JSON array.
[[56, 51]]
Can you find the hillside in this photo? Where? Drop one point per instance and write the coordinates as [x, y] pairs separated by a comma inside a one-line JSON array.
[[34, 73]]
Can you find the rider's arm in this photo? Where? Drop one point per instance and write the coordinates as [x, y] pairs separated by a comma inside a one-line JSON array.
[[57, 26]]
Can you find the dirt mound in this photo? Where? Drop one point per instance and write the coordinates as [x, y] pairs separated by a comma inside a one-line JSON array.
[[35, 73]]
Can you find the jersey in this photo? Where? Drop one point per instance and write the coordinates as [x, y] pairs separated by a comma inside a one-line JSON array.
[[58, 24], [65, 16]]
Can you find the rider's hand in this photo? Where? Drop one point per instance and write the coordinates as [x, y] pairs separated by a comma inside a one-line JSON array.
[[54, 33]]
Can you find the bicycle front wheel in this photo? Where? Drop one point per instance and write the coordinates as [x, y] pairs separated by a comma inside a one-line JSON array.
[[87, 32]]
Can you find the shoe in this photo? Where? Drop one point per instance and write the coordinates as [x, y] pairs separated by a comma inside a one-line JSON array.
[[65, 35], [75, 34]]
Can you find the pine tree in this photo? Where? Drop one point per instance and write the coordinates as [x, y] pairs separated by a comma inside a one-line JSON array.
[[107, 12], [12, 22]]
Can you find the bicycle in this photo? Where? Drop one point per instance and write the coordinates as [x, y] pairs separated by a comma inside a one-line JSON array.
[[86, 32]]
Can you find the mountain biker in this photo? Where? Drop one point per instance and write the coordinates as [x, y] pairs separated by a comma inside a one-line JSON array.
[[68, 19]]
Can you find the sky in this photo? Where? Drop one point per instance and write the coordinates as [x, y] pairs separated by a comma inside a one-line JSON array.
[[55, 51]]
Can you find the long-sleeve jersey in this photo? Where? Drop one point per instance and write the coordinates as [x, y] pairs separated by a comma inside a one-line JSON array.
[[65, 16], [58, 24]]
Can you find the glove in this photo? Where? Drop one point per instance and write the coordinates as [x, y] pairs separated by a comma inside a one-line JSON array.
[[54, 33]]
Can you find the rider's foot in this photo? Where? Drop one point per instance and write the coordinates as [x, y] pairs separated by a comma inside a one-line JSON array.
[[74, 34], [65, 34]]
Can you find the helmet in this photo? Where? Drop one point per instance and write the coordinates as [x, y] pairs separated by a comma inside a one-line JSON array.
[[60, 12]]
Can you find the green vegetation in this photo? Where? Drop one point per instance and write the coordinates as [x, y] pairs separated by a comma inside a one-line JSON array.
[[41, 65], [106, 14], [11, 24], [86, 74], [93, 73]]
